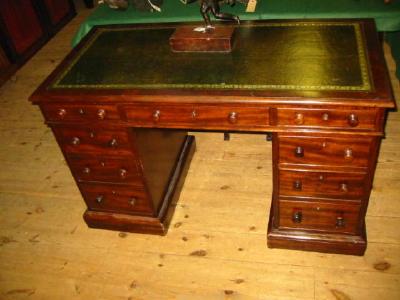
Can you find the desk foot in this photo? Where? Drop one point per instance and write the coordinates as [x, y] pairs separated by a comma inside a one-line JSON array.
[[146, 224], [318, 242]]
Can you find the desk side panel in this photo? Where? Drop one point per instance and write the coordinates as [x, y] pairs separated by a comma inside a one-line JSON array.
[[158, 151]]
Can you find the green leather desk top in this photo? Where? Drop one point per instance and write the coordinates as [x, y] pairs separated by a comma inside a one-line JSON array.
[[311, 56]]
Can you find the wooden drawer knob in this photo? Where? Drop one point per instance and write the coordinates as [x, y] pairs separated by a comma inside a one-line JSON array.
[[123, 173], [101, 114], [132, 201], [81, 111], [340, 223], [61, 113], [348, 154], [75, 141], [297, 185], [156, 115], [99, 199], [299, 151], [299, 119], [297, 217], [344, 188], [113, 143], [233, 117], [86, 170], [352, 119], [325, 117]]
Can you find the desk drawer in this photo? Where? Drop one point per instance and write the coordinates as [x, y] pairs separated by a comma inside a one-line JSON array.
[[104, 169], [114, 198], [326, 151], [201, 116], [96, 141], [79, 113], [322, 184], [365, 119], [318, 216]]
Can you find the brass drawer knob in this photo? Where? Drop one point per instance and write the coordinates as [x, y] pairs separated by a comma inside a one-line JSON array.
[[299, 119], [352, 119], [101, 114], [132, 201], [344, 188], [75, 141], [325, 116], [340, 223], [348, 153], [86, 170], [297, 185], [99, 199], [297, 217], [123, 173], [156, 115], [233, 117], [61, 113], [299, 151]]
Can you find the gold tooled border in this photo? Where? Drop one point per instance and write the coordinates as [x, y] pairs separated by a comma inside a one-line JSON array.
[[363, 62]]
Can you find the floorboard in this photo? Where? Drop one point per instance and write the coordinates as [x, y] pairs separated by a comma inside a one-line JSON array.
[[216, 246]]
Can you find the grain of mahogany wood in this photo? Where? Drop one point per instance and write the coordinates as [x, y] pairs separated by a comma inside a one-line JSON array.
[[216, 246]]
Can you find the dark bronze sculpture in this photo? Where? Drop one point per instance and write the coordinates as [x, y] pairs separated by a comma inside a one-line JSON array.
[[213, 6]]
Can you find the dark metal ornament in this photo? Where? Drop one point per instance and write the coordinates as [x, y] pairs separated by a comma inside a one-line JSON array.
[[213, 7]]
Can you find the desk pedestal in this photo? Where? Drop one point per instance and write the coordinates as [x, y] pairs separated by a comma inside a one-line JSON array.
[[159, 223]]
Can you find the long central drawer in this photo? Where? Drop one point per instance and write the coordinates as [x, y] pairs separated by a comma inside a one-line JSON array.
[[202, 116]]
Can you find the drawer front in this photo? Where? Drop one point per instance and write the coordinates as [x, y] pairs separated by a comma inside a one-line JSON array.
[[104, 169], [79, 113], [322, 184], [329, 118], [331, 217], [114, 198], [84, 140], [308, 150], [203, 116]]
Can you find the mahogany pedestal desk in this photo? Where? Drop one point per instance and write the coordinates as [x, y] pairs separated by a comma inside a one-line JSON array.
[[121, 103]]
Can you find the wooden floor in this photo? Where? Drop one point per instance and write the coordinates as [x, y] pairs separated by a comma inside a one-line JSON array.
[[216, 246]]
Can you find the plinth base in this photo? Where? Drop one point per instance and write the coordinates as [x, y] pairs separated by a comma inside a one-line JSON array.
[[186, 39]]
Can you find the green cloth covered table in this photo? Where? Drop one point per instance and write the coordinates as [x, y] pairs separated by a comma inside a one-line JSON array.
[[386, 16]]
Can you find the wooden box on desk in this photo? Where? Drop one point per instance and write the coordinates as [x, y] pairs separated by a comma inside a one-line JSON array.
[[192, 39]]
